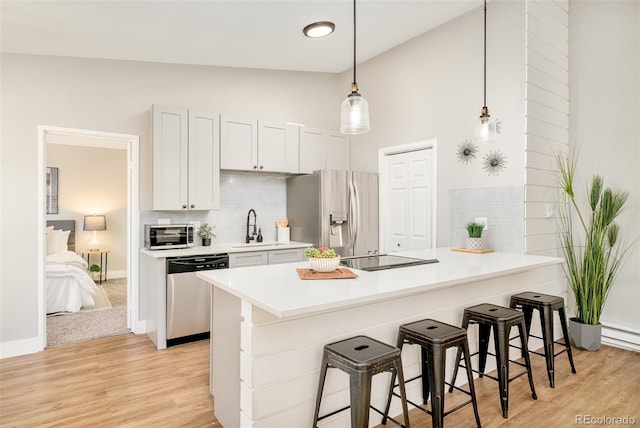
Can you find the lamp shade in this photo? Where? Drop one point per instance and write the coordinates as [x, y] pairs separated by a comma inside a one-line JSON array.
[[95, 222], [354, 115]]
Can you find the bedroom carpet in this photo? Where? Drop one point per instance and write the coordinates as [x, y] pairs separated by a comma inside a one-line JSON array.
[[93, 323]]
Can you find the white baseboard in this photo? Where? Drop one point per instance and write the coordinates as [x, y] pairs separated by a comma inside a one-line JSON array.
[[19, 347], [620, 337]]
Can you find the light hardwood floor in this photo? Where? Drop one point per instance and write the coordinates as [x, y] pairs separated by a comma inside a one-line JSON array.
[[124, 381]]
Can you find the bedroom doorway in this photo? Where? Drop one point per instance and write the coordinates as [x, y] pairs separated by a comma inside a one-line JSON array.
[[120, 270]]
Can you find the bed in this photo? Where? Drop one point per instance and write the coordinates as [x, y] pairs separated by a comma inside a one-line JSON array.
[[68, 284]]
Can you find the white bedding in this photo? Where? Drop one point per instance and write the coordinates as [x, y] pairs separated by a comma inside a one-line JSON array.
[[69, 286]]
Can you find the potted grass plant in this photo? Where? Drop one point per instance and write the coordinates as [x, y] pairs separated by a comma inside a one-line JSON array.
[[95, 272], [474, 239], [591, 243]]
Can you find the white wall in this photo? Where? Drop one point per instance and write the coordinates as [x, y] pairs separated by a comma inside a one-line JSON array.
[[115, 96], [93, 181], [432, 87], [605, 123]]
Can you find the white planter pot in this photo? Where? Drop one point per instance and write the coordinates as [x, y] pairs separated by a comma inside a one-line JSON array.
[[475, 243]]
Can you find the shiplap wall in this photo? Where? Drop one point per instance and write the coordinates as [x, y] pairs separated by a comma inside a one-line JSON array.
[[546, 118]]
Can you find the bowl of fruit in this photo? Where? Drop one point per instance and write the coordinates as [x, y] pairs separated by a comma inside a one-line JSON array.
[[322, 259]]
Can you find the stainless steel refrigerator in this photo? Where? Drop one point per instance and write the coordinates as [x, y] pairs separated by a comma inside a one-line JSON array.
[[337, 209]]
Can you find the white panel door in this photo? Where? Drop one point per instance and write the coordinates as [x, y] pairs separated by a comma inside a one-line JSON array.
[[409, 193]]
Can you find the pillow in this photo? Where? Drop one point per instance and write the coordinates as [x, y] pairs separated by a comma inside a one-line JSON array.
[[57, 241], [49, 229]]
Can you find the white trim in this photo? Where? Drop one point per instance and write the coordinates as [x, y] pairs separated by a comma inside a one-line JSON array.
[[620, 337], [131, 143], [20, 347], [404, 148]]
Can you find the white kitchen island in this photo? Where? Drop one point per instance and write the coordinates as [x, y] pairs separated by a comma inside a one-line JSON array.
[[269, 327]]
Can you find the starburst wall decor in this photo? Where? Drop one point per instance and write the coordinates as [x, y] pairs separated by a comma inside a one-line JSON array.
[[467, 151], [494, 162]]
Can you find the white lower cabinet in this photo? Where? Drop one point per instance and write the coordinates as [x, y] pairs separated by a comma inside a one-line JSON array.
[[286, 256], [257, 258], [250, 258]]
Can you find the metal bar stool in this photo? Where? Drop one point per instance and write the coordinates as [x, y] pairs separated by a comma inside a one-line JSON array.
[[361, 357], [435, 338], [546, 305], [501, 319]]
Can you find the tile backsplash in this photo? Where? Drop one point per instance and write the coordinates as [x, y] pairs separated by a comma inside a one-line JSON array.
[[502, 206], [239, 192]]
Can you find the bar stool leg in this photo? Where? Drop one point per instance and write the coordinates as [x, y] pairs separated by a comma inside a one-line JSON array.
[[399, 344], [465, 325], [527, 360], [501, 341], [403, 394], [472, 388], [360, 391], [436, 385], [484, 331], [565, 333], [546, 321], [424, 363], [528, 314], [323, 375]]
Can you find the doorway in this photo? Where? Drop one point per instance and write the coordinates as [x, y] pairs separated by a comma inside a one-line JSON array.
[[89, 138], [408, 196]]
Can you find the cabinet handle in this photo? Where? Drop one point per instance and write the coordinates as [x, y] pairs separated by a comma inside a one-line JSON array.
[[193, 206], [261, 166], [255, 167], [184, 207], [398, 245]]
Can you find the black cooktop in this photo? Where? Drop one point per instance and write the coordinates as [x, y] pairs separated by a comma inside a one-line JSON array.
[[383, 261]]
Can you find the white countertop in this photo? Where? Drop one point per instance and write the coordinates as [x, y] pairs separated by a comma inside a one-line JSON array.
[[226, 248], [278, 290]]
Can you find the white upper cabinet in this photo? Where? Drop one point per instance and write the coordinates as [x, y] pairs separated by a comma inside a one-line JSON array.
[[277, 147], [313, 150], [320, 149], [258, 145], [238, 143], [338, 151], [186, 168]]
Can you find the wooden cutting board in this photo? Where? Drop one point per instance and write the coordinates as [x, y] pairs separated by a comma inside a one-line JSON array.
[[340, 273], [468, 250]]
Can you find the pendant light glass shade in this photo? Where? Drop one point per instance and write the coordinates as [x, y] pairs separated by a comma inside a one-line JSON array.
[[354, 114], [354, 111], [486, 131]]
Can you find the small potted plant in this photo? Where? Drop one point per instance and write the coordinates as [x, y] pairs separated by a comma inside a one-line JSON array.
[[95, 272], [205, 232], [322, 259], [475, 240]]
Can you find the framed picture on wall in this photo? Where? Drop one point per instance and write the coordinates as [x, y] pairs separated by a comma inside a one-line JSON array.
[[52, 190]]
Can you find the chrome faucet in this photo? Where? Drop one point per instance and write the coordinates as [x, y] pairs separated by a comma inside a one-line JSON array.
[[255, 222]]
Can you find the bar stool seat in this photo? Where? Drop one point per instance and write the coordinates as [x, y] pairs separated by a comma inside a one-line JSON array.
[[434, 338], [361, 357], [546, 305], [500, 320]]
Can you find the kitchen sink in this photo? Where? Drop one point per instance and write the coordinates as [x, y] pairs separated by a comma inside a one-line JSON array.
[[260, 244]]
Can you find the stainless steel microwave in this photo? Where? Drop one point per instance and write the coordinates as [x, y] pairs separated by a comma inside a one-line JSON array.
[[168, 236]]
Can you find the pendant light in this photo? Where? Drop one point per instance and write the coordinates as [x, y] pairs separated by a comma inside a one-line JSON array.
[[354, 112], [486, 131]]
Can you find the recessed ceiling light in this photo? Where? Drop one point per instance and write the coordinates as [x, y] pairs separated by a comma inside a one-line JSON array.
[[319, 29]]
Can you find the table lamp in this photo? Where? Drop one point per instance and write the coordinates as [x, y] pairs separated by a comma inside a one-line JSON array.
[[94, 223]]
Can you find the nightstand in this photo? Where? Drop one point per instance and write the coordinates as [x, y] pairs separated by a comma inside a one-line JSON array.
[[104, 254]]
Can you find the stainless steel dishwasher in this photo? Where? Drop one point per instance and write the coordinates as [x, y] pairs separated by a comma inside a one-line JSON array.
[[189, 298]]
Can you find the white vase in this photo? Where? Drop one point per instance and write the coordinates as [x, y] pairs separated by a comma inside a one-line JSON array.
[[475, 243]]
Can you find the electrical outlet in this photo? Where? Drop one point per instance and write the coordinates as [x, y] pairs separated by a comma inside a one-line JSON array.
[[483, 220]]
